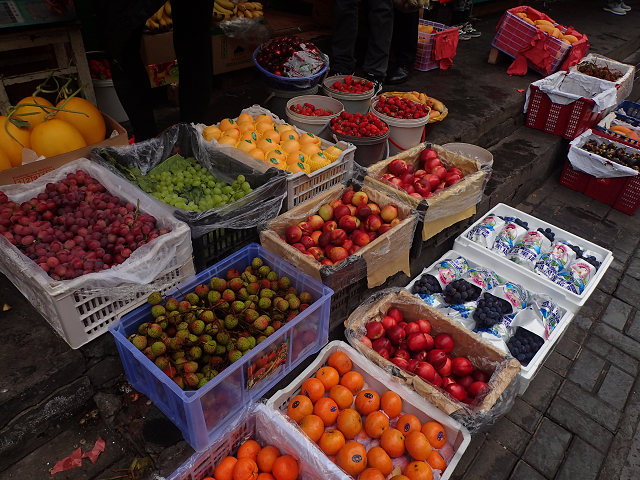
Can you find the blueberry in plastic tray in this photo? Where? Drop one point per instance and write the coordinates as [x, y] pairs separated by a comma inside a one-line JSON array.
[[524, 345], [427, 284], [461, 291], [490, 310]]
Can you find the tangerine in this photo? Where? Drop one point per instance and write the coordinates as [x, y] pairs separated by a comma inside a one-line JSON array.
[[244, 117], [266, 476], [391, 404], [290, 146], [331, 442], [309, 139], [399, 477], [226, 124], [392, 441], [371, 474], [376, 423], [340, 360], [352, 458], [231, 132], [262, 127], [257, 153], [211, 132], [327, 410], [418, 471], [378, 458], [271, 135], [313, 388], [328, 376], [342, 396], [266, 457], [408, 423], [435, 433], [277, 154], [310, 148], [249, 449], [418, 446], [266, 144], [224, 470], [227, 141], [353, 381], [295, 157], [285, 468], [367, 401], [288, 135], [313, 426], [263, 117], [246, 145], [245, 469], [245, 127], [252, 136], [299, 407], [349, 422], [436, 461], [285, 127]]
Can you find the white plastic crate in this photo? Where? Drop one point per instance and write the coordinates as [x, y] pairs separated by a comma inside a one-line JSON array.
[[300, 186], [377, 379], [522, 275], [82, 309], [529, 372]]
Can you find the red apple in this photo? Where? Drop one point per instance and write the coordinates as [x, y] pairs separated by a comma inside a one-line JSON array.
[[429, 341], [456, 391], [398, 167], [384, 353], [347, 244], [317, 252], [336, 203], [316, 222], [440, 171], [389, 213], [411, 327], [453, 180], [461, 366], [395, 222], [382, 342], [432, 163], [326, 212], [437, 358], [433, 180], [347, 196], [425, 371], [316, 236], [466, 381], [373, 223], [437, 381], [300, 247], [375, 209], [407, 187], [337, 237], [455, 170], [410, 168], [441, 186], [416, 195], [420, 173], [375, 330], [325, 239], [388, 176], [354, 249], [363, 211], [422, 187], [417, 341], [307, 242], [447, 381], [445, 370], [306, 228], [407, 178], [480, 376], [412, 364], [340, 211], [396, 334], [388, 321], [293, 234], [338, 254], [329, 226], [396, 181], [421, 355], [401, 323], [395, 313], [400, 363], [402, 353], [366, 341], [449, 356], [428, 153], [384, 228], [477, 388], [425, 326], [444, 342], [347, 223], [360, 198], [361, 239]]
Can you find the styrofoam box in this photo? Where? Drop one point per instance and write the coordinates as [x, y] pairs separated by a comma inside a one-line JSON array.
[[377, 379], [530, 371], [201, 414], [522, 275], [266, 428]]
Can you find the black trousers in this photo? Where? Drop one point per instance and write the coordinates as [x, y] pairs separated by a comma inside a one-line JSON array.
[[404, 43]]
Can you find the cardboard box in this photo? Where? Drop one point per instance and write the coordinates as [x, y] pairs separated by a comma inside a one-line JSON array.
[[29, 172], [18, 13], [163, 73], [157, 48]]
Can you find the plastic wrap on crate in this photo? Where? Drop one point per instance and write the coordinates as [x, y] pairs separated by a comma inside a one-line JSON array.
[[383, 257], [262, 203], [623, 85], [596, 165], [268, 427], [564, 88], [452, 200], [124, 281], [504, 381], [252, 30]]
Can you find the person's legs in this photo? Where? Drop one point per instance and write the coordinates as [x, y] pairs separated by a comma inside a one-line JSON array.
[[380, 20], [343, 38], [404, 45], [192, 43], [615, 7]]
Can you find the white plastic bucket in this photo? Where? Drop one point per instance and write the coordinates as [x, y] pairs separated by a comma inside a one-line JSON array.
[[278, 99], [315, 125], [471, 151], [108, 101], [404, 133], [352, 102]]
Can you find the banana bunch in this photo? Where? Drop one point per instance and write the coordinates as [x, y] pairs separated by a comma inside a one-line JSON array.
[[438, 110], [161, 20], [225, 10], [250, 10]]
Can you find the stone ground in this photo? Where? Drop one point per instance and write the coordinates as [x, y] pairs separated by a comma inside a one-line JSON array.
[[578, 419]]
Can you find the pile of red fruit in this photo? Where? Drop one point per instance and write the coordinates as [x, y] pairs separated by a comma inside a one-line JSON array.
[[410, 346], [309, 110], [100, 70], [76, 227], [275, 56], [426, 182], [351, 85], [398, 107], [341, 228], [358, 125]]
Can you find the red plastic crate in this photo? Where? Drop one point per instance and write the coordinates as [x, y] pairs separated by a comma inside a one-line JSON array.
[[567, 121], [514, 34], [424, 56], [629, 199], [574, 179], [605, 190]]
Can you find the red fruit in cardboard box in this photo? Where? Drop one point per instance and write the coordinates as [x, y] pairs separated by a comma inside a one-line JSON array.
[[429, 341], [389, 213], [326, 212], [361, 239], [383, 352], [412, 327], [437, 358], [325, 239], [340, 211], [445, 370], [400, 362], [352, 209], [412, 364], [407, 178], [437, 381], [373, 223], [375, 330], [444, 342], [317, 252], [402, 353], [326, 261], [433, 180], [337, 237], [420, 173], [396, 181], [425, 326], [428, 153], [432, 163], [306, 228], [451, 179], [455, 170], [461, 366], [372, 236], [338, 254], [440, 171], [347, 196], [421, 355], [363, 211], [293, 234], [336, 203], [417, 342], [480, 376], [384, 228], [366, 341], [308, 242], [348, 223], [316, 236], [329, 226], [425, 371], [316, 222], [466, 381], [447, 381], [375, 209], [395, 222], [416, 195], [360, 198], [407, 187], [348, 243], [396, 334], [388, 321], [456, 391], [422, 187], [395, 313], [382, 342], [300, 247], [354, 249], [398, 167], [476, 389]]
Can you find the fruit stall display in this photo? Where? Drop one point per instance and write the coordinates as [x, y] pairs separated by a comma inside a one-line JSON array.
[[354, 92], [258, 441], [449, 184], [611, 72], [264, 141], [223, 200], [219, 345], [438, 368], [84, 257], [365, 423]]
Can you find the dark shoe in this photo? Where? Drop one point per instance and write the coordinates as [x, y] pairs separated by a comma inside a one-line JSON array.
[[377, 82], [399, 74]]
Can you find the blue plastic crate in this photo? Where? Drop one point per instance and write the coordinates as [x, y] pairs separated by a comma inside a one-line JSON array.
[[201, 414], [631, 113]]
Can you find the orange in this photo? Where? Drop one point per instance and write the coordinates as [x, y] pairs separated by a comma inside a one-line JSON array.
[[313, 426], [392, 441], [352, 458], [331, 442], [227, 141], [378, 458], [340, 361], [408, 423], [211, 132], [435, 433], [252, 136], [245, 469], [274, 162], [367, 401], [371, 474], [310, 148], [277, 154], [391, 404], [353, 381], [299, 407], [285, 468], [327, 410], [328, 376], [262, 127], [399, 477], [249, 449], [349, 422], [271, 135], [246, 145], [263, 117], [244, 117], [288, 135], [309, 139], [245, 127], [342, 396], [418, 446], [266, 144], [436, 461], [231, 132], [266, 457], [296, 156], [226, 124], [313, 388], [299, 167], [290, 145], [266, 476], [224, 470], [257, 153], [375, 424], [418, 471]]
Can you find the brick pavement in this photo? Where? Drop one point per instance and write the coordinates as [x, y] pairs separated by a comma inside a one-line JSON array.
[[578, 419]]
